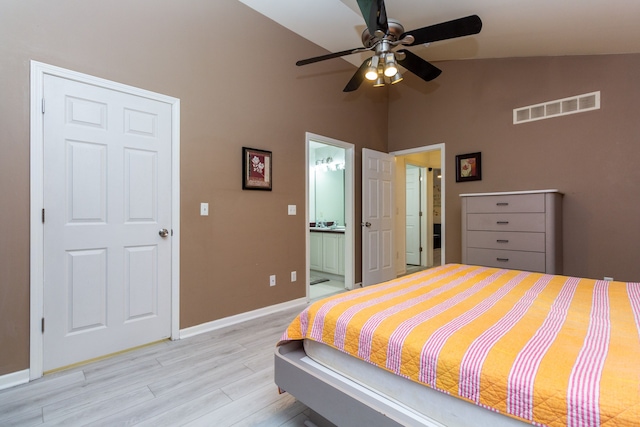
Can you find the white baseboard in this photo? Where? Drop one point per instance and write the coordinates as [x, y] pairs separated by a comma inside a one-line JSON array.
[[13, 379], [242, 317]]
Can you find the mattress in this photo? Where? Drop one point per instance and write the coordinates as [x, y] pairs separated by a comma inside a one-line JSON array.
[[430, 406], [544, 349]]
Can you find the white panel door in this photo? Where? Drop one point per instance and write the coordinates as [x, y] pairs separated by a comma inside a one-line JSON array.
[[377, 217], [412, 215], [107, 195]]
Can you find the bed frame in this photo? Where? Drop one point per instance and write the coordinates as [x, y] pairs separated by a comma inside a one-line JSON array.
[[345, 402]]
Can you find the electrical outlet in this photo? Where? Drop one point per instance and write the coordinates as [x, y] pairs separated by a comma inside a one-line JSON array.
[[291, 209], [272, 280], [204, 209], [294, 276], [609, 279]]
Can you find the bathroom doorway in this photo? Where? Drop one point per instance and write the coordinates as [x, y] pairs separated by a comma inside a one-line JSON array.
[[330, 216]]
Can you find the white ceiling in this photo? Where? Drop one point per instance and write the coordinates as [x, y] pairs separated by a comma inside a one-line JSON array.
[[511, 28]]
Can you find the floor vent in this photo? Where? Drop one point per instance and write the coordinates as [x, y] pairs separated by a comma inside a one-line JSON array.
[[559, 107]]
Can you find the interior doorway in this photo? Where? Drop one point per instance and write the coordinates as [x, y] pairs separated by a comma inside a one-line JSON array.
[[329, 216], [420, 208]]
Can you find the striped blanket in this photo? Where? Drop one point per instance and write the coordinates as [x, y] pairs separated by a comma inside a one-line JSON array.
[[550, 350]]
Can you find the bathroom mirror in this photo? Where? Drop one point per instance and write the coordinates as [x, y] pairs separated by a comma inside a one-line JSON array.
[[329, 196]]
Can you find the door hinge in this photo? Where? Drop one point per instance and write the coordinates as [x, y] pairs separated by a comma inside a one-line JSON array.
[[43, 215], [172, 231], [420, 248], [42, 105], [43, 325], [420, 213]]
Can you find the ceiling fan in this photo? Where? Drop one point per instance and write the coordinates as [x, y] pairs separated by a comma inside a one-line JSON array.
[[383, 35]]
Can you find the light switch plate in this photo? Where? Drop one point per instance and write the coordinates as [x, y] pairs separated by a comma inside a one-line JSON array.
[[272, 280], [292, 209], [294, 276], [204, 209]]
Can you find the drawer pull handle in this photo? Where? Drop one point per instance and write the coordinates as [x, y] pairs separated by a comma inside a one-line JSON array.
[[502, 204], [503, 222], [502, 259], [502, 241]]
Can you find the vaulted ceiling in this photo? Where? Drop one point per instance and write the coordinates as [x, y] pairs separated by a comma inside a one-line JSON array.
[[511, 28]]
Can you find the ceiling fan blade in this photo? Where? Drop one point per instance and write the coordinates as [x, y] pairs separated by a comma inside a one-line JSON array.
[[374, 14], [418, 66], [446, 30], [357, 78], [330, 56]]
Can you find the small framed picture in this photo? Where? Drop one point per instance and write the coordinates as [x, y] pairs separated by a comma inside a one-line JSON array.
[[256, 169], [468, 167]]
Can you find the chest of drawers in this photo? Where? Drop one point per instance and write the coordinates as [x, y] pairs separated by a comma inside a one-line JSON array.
[[516, 230]]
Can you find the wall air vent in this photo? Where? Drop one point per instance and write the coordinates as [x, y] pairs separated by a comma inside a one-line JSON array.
[[559, 107]]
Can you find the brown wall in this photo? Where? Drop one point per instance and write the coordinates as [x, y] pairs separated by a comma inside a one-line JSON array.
[[591, 157], [262, 101], [266, 102]]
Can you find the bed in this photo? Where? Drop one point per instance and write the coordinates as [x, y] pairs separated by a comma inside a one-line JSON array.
[[462, 345]]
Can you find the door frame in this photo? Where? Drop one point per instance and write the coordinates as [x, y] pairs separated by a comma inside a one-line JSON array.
[[434, 147], [36, 246], [349, 209]]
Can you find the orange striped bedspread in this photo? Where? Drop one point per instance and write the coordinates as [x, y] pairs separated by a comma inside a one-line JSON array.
[[550, 350]]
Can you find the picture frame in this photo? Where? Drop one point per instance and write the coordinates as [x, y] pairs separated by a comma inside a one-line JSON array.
[[256, 169], [469, 167]]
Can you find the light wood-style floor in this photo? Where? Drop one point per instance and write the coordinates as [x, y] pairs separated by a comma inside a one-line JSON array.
[[325, 289], [221, 378]]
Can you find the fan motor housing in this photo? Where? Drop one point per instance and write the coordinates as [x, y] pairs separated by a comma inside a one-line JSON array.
[[393, 34]]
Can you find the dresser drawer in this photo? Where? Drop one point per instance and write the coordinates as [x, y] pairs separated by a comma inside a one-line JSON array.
[[516, 260], [506, 203], [506, 240], [507, 222]]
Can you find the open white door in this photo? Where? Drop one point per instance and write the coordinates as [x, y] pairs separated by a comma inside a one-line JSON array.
[[377, 217], [413, 216]]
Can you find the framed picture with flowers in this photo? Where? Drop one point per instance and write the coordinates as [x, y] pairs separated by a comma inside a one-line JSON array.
[[256, 169], [468, 167]]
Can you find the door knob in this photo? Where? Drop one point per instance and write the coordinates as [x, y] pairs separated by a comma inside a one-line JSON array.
[[366, 224], [163, 232]]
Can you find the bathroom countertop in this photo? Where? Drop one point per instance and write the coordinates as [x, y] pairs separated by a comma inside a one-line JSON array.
[[327, 229]]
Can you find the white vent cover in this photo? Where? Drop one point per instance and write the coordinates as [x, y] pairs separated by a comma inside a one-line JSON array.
[[559, 107]]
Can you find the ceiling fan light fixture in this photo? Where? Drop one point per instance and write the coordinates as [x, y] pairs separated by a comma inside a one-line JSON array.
[[381, 36], [397, 78], [390, 66], [372, 70], [371, 75], [380, 81]]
